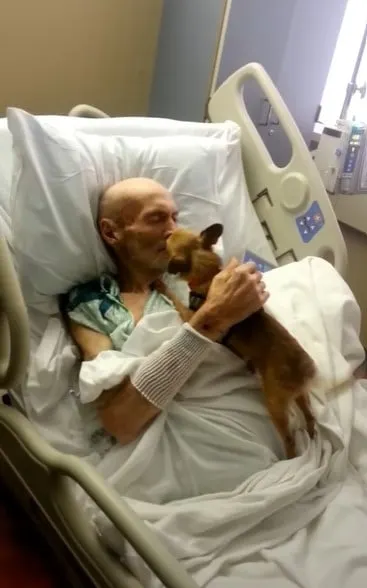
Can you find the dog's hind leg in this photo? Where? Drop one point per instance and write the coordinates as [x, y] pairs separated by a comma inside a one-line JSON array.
[[279, 415], [303, 404]]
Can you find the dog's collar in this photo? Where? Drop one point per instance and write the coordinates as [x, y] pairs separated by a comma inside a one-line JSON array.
[[194, 284], [196, 300]]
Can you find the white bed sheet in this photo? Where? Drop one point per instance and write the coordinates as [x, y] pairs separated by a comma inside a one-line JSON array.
[[315, 512], [207, 477]]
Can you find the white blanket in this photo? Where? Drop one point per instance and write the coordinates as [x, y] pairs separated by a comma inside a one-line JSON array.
[[208, 475]]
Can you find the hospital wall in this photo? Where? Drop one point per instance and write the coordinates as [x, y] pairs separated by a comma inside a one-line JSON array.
[[58, 54], [187, 45], [356, 243], [293, 39]]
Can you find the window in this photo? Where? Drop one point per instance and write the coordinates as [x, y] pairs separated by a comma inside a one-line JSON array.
[[343, 63]]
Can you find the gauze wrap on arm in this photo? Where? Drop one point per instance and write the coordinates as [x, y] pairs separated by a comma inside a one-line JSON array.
[[163, 373], [158, 376]]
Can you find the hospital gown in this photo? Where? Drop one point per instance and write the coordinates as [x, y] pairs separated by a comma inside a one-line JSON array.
[[99, 306]]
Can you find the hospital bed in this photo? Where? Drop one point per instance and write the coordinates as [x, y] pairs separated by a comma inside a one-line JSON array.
[[297, 219]]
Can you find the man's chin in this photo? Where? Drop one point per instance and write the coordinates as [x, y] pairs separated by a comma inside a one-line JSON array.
[[162, 266], [161, 263]]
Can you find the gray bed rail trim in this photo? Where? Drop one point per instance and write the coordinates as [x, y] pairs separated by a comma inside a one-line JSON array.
[[136, 532]]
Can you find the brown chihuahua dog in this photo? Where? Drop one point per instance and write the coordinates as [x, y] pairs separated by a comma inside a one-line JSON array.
[[282, 364]]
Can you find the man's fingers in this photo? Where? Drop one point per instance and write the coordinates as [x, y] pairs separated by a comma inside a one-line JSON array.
[[250, 267], [258, 278], [260, 301], [247, 269], [232, 264]]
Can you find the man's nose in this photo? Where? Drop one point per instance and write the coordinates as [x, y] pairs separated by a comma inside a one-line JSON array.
[[170, 228]]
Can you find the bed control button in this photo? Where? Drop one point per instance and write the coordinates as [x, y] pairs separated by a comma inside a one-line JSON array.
[[310, 222], [261, 264], [295, 189]]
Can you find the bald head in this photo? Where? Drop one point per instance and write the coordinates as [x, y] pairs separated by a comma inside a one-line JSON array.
[[135, 218], [123, 201]]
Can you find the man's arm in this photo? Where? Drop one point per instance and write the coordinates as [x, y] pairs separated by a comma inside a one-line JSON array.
[[89, 342], [128, 408], [124, 410]]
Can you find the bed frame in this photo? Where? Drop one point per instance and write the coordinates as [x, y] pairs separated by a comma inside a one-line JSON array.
[[41, 478]]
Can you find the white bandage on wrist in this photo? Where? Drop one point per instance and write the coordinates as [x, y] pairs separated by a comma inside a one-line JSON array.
[[164, 372]]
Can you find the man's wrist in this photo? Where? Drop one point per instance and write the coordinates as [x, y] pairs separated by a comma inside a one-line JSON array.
[[207, 322]]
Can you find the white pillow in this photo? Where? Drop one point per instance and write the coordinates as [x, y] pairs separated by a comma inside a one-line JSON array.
[[5, 164], [58, 177], [134, 126], [242, 229], [59, 173], [126, 126], [241, 222]]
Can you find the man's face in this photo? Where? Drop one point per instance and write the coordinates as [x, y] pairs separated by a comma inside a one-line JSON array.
[[143, 239]]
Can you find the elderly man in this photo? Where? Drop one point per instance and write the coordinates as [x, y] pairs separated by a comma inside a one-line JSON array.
[[136, 216], [197, 456]]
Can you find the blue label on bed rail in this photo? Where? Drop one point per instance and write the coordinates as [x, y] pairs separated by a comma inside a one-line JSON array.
[[261, 264], [310, 223]]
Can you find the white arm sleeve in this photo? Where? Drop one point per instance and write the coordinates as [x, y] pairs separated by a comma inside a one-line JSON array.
[[163, 373], [157, 376]]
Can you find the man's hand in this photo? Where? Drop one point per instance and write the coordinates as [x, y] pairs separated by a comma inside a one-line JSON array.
[[235, 293]]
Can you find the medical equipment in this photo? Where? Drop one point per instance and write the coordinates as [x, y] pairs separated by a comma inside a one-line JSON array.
[[330, 154], [341, 158], [298, 221], [353, 178]]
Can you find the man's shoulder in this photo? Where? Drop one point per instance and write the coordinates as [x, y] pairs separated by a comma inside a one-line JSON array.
[[86, 292]]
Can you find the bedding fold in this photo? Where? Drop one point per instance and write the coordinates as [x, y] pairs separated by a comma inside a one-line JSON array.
[[209, 476]]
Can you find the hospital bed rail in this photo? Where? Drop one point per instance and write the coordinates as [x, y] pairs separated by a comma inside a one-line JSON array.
[[38, 460], [60, 469], [14, 328], [280, 195]]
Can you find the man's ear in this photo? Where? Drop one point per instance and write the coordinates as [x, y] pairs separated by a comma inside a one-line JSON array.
[[109, 231], [210, 236], [179, 265]]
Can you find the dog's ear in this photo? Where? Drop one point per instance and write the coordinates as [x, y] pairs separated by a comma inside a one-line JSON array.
[[210, 236], [179, 265]]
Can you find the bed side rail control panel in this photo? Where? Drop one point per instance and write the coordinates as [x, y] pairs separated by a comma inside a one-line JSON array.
[[290, 201]]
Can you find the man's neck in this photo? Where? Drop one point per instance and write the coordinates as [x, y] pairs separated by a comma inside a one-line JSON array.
[[137, 280]]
